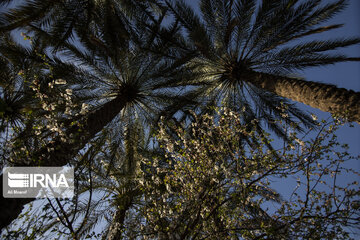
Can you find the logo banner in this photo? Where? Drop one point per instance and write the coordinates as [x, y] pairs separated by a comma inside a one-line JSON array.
[[38, 182]]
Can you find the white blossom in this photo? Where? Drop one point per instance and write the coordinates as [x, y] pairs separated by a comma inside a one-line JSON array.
[[69, 91], [60, 81]]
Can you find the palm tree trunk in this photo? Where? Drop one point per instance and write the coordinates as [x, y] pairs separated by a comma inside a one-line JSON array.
[[117, 225], [325, 97], [125, 201], [10, 208], [94, 123]]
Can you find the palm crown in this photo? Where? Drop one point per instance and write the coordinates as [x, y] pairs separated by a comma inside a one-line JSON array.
[[244, 48]]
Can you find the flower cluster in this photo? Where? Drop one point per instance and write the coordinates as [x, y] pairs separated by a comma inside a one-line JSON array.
[[216, 181]]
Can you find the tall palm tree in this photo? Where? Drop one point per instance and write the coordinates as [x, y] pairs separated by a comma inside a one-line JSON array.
[[249, 54], [131, 83]]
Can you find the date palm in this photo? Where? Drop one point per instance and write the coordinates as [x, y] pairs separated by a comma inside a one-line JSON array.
[[248, 55], [130, 85]]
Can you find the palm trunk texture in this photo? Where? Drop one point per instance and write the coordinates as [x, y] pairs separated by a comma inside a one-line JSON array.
[[117, 225], [10, 208], [327, 98], [124, 202]]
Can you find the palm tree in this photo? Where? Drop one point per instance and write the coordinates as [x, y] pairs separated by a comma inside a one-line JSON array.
[[248, 55], [130, 83]]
